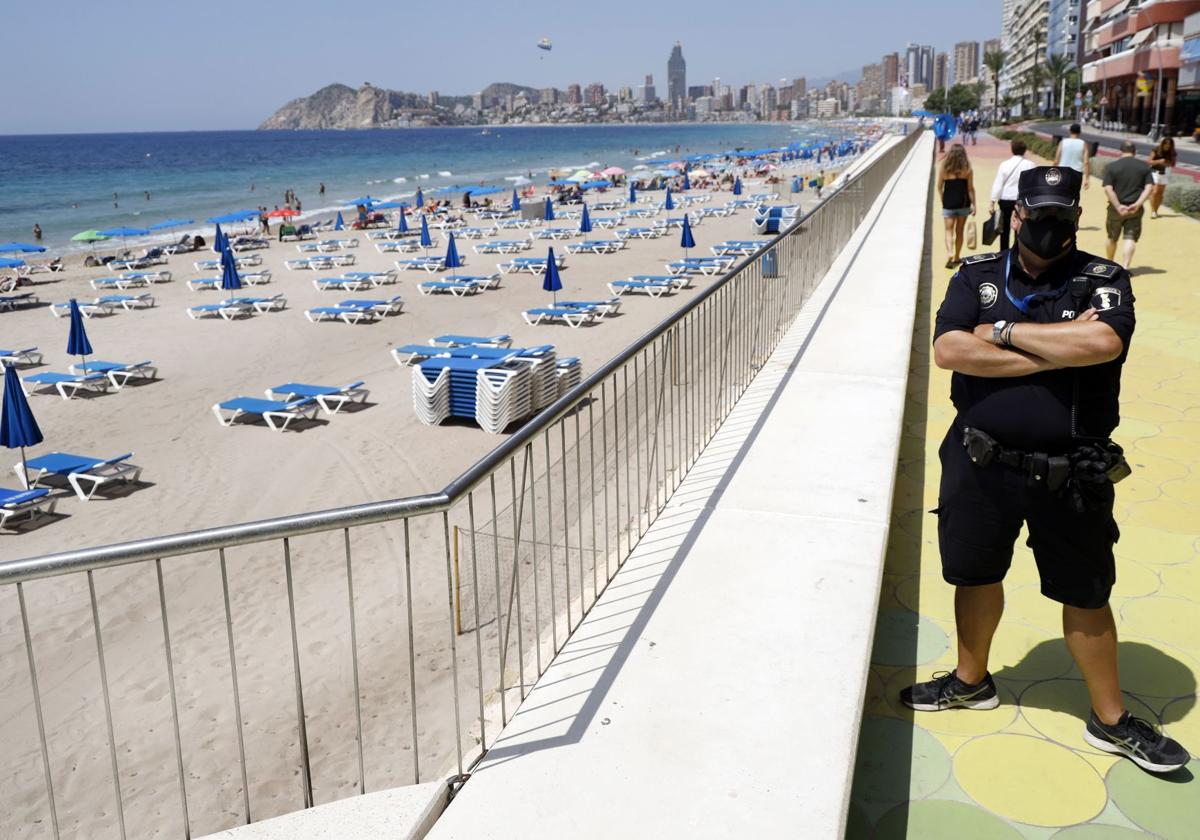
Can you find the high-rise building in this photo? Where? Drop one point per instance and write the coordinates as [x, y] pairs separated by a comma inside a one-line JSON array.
[[800, 87], [548, 96], [696, 91], [676, 76], [966, 62], [433, 98], [918, 65], [574, 95], [594, 95], [941, 71], [1064, 29], [890, 69], [1027, 39]]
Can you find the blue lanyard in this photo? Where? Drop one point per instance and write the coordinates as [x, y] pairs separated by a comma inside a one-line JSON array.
[[1024, 302]]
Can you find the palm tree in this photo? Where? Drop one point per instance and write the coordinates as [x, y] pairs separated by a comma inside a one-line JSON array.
[[994, 60], [1057, 66], [1031, 81]]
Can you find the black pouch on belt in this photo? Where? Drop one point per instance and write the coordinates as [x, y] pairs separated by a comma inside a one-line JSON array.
[[981, 447]]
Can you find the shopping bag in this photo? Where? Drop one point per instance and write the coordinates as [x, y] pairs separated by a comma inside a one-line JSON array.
[[971, 239], [991, 228]]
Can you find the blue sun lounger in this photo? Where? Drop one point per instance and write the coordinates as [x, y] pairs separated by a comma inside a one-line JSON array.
[[653, 288], [573, 318], [601, 307], [142, 301], [345, 314], [277, 414], [67, 382], [117, 372], [78, 469], [391, 306], [24, 356], [331, 399], [21, 504], [458, 288], [344, 284], [226, 309], [453, 340]]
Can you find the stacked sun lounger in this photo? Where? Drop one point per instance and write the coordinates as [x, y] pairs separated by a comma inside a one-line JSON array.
[[568, 373]]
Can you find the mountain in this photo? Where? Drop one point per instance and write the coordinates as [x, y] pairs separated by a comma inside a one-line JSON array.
[[341, 106]]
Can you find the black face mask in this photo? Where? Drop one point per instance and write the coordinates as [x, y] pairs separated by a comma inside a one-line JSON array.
[[1047, 238]]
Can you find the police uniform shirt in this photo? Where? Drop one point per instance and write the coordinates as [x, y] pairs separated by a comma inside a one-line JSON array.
[[1043, 411]]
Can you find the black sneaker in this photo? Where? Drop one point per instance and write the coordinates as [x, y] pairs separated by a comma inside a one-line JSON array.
[[1137, 740], [947, 691]]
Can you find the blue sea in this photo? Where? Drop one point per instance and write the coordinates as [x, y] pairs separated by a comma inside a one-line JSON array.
[[65, 183]]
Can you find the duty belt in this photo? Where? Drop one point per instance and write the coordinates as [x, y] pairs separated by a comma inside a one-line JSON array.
[[1040, 468]]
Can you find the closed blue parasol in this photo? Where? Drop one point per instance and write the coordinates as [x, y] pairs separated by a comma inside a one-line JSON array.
[[452, 260], [551, 282], [77, 340], [340, 224], [230, 279], [18, 429], [737, 185], [419, 199], [426, 241], [585, 222], [686, 240], [632, 194], [549, 210], [219, 243], [668, 204], [687, 182], [402, 224], [515, 204], [21, 248]]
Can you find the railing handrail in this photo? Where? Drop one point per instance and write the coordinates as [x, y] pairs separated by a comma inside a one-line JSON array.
[[291, 525]]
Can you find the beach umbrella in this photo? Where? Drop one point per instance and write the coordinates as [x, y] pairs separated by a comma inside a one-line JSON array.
[[737, 185], [230, 280], [362, 199], [632, 194], [686, 240], [612, 170], [402, 223], [452, 260], [551, 282], [89, 236], [419, 199], [219, 241], [515, 204], [11, 262], [668, 204], [283, 213], [172, 223], [21, 248], [340, 224], [426, 241], [687, 182], [230, 218], [124, 232], [549, 209], [585, 222], [18, 429], [77, 340]]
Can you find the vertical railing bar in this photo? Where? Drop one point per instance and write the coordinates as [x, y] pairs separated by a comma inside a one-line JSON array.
[[592, 483], [550, 547], [233, 676], [362, 773], [37, 710], [501, 637], [108, 719], [301, 724], [453, 639], [604, 469], [537, 588], [628, 439], [162, 605], [518, 522], [412, 656], [562, 438], [637, 430], [583, 601], [478, 626]]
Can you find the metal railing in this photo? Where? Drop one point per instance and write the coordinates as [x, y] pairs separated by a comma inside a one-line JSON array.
[[240, 672]]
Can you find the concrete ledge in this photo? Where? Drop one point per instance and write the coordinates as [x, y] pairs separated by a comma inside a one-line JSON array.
[[404, 813], [695, 699]]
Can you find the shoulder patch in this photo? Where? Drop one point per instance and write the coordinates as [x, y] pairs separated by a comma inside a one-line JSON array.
[[979, 258], [1101, 269], [1105, 298], [988, 295]]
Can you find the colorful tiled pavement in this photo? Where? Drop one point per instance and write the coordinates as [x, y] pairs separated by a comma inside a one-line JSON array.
[[1023, 770]]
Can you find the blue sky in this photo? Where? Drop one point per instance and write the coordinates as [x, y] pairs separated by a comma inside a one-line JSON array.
[[148, 65]]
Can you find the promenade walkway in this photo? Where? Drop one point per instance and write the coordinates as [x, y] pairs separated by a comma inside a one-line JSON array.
[[1023, 770]]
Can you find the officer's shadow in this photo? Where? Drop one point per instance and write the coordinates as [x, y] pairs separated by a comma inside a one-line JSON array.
[[1150, 678]]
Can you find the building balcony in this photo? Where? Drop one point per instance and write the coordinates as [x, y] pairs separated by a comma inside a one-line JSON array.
[[1130, 62]]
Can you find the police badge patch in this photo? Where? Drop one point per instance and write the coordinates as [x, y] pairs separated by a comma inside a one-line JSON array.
[[987, 295], [1100, 270], [1106, 297]]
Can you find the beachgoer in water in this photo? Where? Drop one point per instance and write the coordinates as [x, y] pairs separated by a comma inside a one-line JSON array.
[[252, 188], [147, 193], [321, 190], [297, 206], [37, 232]]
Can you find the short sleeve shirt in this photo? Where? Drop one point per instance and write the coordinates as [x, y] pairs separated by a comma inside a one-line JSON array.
[[1044, 411], [1128, 176]]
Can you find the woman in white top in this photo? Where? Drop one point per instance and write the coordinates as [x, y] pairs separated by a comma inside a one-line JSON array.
[[1073, 154], [1004, 188]]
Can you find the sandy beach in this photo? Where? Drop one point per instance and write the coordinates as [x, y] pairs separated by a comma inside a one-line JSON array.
[[198, 474]]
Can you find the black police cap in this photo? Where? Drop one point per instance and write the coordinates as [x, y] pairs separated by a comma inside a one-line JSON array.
[[1045, 186]]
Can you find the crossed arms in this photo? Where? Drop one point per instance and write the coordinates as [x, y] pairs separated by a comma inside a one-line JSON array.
[[1035, 348]]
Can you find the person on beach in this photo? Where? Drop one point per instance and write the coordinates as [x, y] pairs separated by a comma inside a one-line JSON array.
[[264, 224], [1004, 189], [37, 232], [1127, 184], [1036, 338], [1073, 152], [1162, 158], [956, 186], [321, 189]]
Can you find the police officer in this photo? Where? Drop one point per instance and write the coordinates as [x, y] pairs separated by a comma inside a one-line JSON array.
[[1036, 337]]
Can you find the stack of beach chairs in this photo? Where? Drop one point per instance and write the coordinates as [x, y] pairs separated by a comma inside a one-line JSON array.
[[494, 386]]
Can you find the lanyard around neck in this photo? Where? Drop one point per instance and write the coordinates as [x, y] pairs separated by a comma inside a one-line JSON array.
[[1023, 303]]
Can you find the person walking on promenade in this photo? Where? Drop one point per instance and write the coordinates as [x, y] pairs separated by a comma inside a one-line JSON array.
[[1162, 158], [1127, 183], [1036, 338], [1004, 189], [1073, 152], [956, 186]]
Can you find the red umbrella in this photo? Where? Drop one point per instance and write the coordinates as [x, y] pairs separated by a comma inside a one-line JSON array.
[[283, 212]]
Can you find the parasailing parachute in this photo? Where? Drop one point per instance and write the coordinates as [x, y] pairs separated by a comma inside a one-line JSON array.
[[545, 44]]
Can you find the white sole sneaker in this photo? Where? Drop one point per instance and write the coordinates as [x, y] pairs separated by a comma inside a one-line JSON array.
[[990, 703], [1117, 749]]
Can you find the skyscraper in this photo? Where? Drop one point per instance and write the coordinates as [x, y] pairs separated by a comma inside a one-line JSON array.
[[891, 74], [966, 61], [941, 71], [918, 65], [676, 76]]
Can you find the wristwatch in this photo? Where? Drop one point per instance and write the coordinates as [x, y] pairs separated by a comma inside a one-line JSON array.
[[997, 333]]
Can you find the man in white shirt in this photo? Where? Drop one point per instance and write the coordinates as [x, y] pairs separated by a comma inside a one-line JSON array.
[[1004, 189], [1073, 153]]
